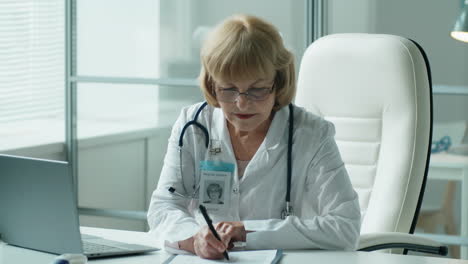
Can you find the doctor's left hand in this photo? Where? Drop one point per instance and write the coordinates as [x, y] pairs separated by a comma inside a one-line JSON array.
[[231, 231]]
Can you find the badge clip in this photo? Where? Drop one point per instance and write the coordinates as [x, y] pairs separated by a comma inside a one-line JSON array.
[[215, 147]]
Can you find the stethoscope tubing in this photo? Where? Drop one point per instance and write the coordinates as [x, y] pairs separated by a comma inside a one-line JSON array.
[[290, 137], [197, 124]]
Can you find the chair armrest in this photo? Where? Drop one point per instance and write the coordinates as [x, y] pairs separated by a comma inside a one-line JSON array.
[[387, 240]]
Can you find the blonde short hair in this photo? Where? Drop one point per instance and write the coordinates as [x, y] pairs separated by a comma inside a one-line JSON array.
[[247, 47]]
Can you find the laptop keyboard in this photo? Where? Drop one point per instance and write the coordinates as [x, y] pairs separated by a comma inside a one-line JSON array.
[[89, 248]]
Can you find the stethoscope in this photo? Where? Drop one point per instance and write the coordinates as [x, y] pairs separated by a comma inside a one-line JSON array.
[[288, 210]]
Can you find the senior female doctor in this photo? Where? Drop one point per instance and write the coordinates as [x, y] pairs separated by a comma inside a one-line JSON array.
[[240, 141]]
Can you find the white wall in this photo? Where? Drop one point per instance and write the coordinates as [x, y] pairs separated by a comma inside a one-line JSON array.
[[346, 16], [428, 22]]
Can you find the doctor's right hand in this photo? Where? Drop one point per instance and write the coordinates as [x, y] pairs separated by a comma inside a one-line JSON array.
[[205, 245]]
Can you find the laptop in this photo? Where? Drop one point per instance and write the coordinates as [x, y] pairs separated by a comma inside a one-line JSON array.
[[38, 210]]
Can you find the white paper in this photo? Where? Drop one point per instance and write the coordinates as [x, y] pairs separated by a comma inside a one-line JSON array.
[[256, 256]]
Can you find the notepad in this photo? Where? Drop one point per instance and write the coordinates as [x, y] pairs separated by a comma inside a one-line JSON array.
[[252, 257]]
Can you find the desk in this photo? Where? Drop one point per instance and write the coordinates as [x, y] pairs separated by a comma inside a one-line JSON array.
[[455, 168], [14, 255]]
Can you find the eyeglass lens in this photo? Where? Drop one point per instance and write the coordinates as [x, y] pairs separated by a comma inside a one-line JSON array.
[[254, 94]]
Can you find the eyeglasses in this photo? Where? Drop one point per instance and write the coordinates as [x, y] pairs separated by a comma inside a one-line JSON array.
[[230, 95]]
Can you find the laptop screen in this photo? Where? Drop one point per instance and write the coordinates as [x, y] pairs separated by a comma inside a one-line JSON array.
[[38, 209]]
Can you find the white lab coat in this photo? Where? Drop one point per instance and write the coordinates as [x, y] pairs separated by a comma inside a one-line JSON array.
[[326, 207]]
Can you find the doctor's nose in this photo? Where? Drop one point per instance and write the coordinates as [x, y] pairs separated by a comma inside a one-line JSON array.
[[242, 101]]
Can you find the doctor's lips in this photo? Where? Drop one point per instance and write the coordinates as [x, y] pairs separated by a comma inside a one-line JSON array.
[[244, 116]]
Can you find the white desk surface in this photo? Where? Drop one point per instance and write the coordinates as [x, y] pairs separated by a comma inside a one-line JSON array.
[[447, 160], [15, 255]]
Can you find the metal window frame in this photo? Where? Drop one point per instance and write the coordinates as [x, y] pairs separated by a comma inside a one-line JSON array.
[[70, 92]]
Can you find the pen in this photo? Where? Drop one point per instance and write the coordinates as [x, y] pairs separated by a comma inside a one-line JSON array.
[[210, 225]]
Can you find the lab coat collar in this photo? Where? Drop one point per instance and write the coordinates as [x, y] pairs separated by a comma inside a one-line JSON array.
[[221, 131], [275, 135]]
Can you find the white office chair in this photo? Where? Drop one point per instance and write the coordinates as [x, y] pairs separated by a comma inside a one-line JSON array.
[[376, 89]]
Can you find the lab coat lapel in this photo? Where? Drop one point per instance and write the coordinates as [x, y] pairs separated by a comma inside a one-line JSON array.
[[270, 147]]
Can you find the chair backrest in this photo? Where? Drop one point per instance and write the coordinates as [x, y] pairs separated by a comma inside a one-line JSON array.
[[376, 89]]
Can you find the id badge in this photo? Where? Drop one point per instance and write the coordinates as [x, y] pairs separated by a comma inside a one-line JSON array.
[[215, 183]]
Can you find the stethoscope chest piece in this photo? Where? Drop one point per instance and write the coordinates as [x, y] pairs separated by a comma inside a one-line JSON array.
[[288, 211]]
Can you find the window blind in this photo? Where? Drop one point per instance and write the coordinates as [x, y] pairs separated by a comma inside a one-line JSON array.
[[32, 59]]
